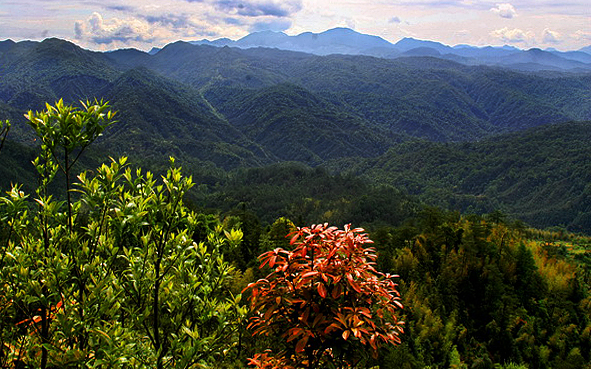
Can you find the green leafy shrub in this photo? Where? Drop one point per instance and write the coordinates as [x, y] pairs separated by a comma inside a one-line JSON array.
[[113, 277]]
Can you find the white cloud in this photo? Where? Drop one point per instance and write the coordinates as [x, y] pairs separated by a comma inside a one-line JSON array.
[[122, 22], [438, 3], [462, 34], [582, 35], [256, 8], [514, 35], [551, 37], [277, 25], [113, 31], [350, 23], [505, 10], [134, 23]]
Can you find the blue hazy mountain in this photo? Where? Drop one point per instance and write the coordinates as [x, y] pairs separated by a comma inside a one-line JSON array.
[[349, 42], [579, 56], [409, 43], [535, 59], [333, 41], [6, 45]]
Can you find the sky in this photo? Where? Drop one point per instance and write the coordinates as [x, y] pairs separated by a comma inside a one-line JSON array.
[[143, 24]]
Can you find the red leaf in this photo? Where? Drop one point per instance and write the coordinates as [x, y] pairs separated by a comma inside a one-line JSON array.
[[337, 291], [305, 315], [331, 328], [341, 319], [250, 285], [346, 334], [317, 320], [301, 344], [332, 253], [372, 342], [322, 290], [269, 313], [254, 362], [22, 321], [352, 283], [380, 313], [365, 311], [294, 333], [309, 274]]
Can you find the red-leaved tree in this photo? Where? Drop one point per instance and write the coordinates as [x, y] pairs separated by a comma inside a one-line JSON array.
[[324, 300]]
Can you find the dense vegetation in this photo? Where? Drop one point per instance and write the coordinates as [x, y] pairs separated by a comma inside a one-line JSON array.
[[223, 109], [123, 274], [540, 176], [479, 292], [113, 275], [379, 99]]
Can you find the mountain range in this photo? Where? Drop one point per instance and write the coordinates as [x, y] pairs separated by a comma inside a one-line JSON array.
[[263, 103], [219, 108], [347, 41]]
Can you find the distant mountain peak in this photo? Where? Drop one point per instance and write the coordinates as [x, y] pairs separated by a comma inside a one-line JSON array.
[[178, 45], [6, 45], [58, 43], [338, 40], [409, 43], [262, 38], [344, 30], [347, 41], [268, 32]]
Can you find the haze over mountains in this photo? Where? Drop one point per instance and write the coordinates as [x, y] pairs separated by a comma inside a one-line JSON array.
[[221, 108], [347, 41]]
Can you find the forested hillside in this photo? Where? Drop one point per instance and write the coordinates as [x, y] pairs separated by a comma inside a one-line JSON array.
[[218, 109], [540, 175], [107, 267], [422, 97], [479, 292]]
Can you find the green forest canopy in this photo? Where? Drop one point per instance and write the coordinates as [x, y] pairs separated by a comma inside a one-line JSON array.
[[114, 275]]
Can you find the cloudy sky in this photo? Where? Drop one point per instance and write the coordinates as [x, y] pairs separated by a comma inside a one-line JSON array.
[[142, 24]]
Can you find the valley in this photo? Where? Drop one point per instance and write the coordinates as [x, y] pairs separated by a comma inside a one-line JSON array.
[[472, 138]]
